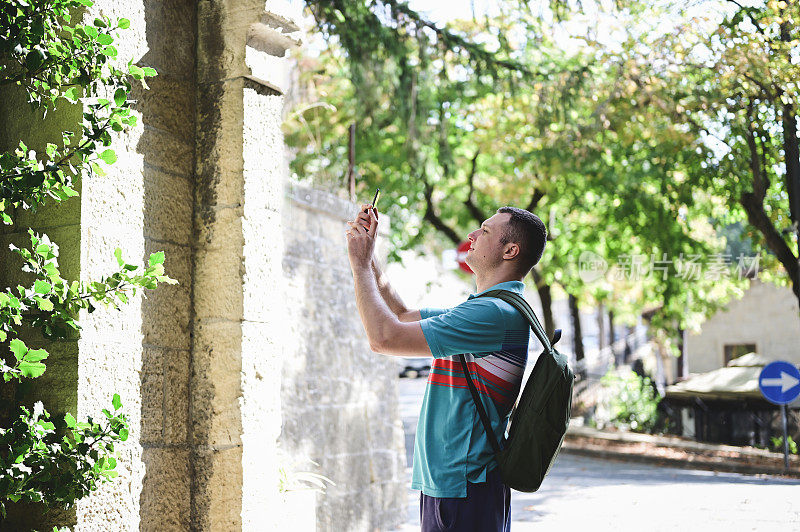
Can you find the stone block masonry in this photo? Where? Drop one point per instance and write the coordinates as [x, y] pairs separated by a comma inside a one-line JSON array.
[[339, 399], [256, 361]]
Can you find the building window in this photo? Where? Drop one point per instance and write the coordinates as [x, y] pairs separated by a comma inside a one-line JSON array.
[[736, 350]]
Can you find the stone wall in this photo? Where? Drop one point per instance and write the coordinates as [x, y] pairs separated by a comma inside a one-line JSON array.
[[340, 406], [767, 316], [262, 327]]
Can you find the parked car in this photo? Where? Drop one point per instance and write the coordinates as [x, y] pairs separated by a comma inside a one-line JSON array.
[[413, 367]]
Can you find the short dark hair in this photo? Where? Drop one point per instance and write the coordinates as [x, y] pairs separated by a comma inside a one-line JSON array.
[[527, 230]]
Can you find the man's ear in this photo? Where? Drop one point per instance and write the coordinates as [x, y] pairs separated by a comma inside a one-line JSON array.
[[511, 251]]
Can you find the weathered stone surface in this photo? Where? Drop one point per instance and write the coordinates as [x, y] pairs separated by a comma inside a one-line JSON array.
[[176, 395], [218, 147], [218, 283], [220, 228], [170, 32], [166, 490], [167, 206], [165, 312], [168, 105], [216, 383], [152, 389], [217, 503], [339, 403], [262, 326], [165, 150]]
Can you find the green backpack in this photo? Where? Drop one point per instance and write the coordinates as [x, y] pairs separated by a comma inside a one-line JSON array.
[[541, 416]]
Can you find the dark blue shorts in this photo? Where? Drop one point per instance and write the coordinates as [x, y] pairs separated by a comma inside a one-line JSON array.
[[487, 508]]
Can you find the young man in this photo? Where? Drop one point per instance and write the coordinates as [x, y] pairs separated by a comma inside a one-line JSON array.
[[453, 459]]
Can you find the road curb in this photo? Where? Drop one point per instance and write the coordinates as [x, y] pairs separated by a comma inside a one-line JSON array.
[[675, 452]]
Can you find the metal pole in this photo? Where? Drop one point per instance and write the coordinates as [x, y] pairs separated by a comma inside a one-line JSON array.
[[351, 162], [785, 440]]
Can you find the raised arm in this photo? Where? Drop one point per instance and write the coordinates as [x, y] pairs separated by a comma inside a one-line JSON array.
[[388, 293], [391, 298], [386, 332]]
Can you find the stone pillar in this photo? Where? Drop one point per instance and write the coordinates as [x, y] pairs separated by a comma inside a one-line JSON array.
[[238, 292]]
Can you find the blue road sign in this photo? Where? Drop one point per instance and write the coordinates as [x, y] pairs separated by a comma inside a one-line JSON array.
[[779, 382]]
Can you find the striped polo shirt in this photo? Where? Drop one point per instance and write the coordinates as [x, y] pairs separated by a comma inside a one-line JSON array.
[[451, 447]]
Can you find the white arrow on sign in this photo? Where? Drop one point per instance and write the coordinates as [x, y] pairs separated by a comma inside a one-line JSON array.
[[786, 382]]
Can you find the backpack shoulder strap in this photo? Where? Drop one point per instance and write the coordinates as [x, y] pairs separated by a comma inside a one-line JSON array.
[[487, 425]]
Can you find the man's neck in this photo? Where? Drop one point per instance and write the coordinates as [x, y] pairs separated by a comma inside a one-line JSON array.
[[484, 282]]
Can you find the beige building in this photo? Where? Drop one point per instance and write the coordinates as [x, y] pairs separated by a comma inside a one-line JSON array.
[[254, 367], [765, 320]]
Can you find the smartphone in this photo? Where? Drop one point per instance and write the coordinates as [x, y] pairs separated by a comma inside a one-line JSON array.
[[375, 200]]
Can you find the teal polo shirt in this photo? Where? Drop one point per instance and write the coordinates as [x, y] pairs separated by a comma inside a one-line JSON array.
[[451, 447]]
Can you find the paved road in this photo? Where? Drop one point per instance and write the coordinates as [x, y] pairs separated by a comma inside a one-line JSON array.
[[597, 495]]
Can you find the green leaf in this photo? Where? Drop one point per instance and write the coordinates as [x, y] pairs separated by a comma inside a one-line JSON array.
[[42, 287], [120, 95], [31, 369], [123, 434], [156, 258], [123, 24], [100, 23], [108, 156], [118, 255], [18, 347], [136, 72], [70, 421], [71, 94], [44, 304], [149, 72], [116, 401], [35, 355]]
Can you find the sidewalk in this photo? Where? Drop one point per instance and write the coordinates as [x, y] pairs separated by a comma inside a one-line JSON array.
[[675, 452]]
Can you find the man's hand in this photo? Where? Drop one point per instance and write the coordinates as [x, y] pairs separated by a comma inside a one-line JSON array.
[[361, 237]]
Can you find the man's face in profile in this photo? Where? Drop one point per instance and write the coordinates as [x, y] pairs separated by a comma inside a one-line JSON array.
[[486, 250]]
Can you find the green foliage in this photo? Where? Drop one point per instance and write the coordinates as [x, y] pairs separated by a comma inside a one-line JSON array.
[[632, 400], [777, 444], [60, 61], [52, 303], [448, 148], [57, 461]]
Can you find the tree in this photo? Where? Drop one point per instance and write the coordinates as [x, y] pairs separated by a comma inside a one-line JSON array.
[[731, 81], [59, 62], [569, 145]]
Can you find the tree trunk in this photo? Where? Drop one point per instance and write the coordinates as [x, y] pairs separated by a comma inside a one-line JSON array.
[[546, 299], [601, 330], [577, 337], [791, 154], [682, 362], [612, 337], [791, 151]]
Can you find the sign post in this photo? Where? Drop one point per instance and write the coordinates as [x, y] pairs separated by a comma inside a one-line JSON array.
[[779, 382]]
